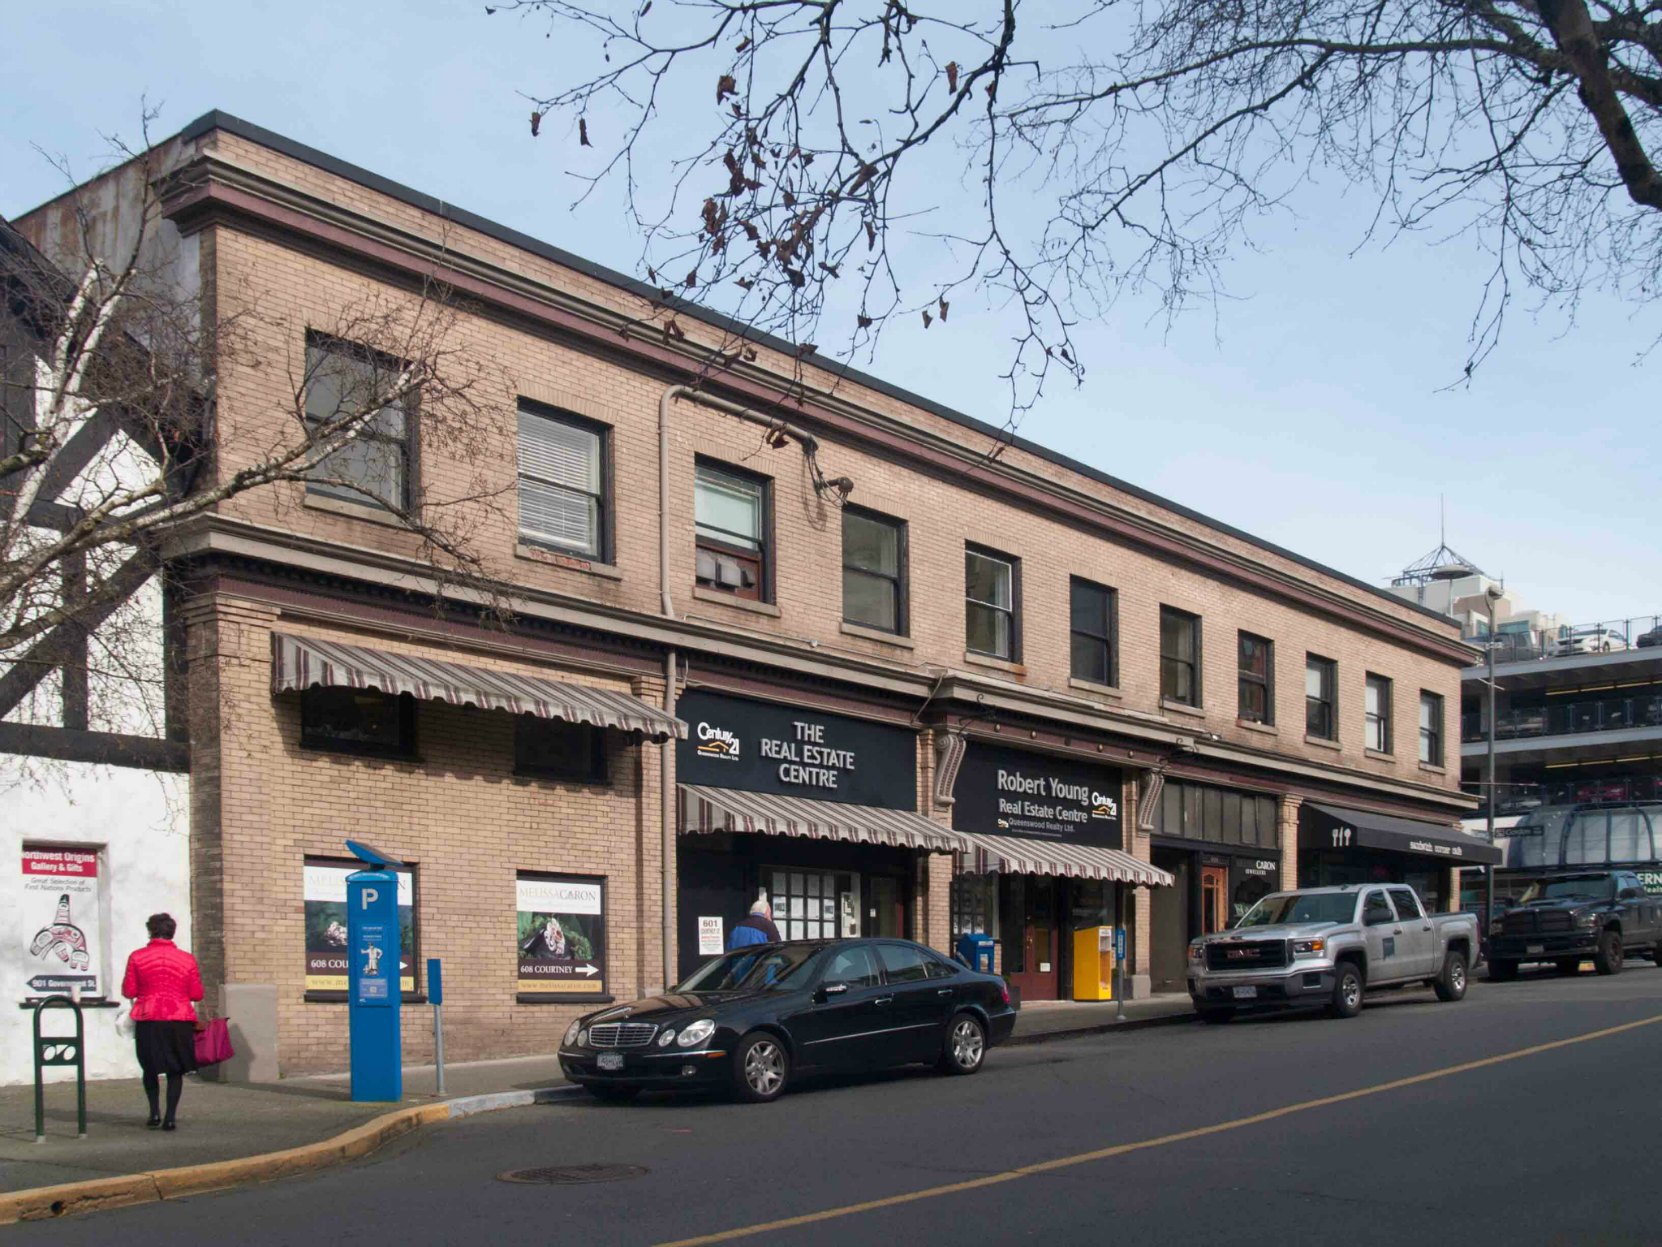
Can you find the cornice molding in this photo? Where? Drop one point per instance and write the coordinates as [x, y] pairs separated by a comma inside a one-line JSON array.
[[209, 190]]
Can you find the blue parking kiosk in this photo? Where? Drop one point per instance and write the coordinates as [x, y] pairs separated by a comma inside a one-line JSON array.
[[374, 996]]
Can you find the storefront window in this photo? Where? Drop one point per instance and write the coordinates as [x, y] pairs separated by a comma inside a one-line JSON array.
[[974, 904]]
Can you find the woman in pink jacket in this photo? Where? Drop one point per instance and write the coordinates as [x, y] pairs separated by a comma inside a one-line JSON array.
[[163, 982]]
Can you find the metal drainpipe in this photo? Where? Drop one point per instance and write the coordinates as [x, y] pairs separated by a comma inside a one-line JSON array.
[[667, 608]]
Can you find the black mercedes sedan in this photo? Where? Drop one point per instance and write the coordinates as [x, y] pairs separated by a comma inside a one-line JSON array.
[[753, 1019]]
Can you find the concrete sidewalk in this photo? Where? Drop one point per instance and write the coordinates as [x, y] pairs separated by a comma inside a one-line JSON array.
[[221, 1122]]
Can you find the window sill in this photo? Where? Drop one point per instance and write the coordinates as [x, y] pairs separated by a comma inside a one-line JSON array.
[[1433, 768], [1178, 707], [737, 603], [355, 510], [1091, 686], [877, 634], [1254, 725], [1379, 755], [569, 562], [997, 664], [1321, 742], [554, 998], [565, 781]]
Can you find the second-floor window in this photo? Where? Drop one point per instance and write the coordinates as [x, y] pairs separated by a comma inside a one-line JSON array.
[[990, 604], [1431, 729], [874, 566], [1376, 714], [1179, 656], [1320, 679], [349, 384], [562, 474], [1257, 674], [1092, 632], [731, 511]]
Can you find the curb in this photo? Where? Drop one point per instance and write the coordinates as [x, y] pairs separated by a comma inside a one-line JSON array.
[[44, 1203], [1100, 1028]]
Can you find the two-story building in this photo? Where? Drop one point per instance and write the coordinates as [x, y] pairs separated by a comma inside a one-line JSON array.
[[740, 623]]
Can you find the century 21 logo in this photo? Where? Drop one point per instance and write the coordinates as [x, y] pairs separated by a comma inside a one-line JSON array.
[[717, 742]]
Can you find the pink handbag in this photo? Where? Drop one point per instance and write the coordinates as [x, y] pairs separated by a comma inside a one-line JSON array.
[[213, 1043]]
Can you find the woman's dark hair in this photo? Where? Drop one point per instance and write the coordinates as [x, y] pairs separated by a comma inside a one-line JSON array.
[[161, 926]]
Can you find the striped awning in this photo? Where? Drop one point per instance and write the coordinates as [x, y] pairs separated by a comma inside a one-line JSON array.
[[725, 809], [1017, 855], [306, 662]]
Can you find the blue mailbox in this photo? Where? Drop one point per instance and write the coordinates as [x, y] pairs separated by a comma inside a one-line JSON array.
[[374, 995]]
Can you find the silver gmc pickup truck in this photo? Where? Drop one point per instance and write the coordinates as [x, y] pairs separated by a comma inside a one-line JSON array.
[[1328, 946]]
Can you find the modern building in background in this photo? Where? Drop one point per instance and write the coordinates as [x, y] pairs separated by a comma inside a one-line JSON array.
[[790, 633]]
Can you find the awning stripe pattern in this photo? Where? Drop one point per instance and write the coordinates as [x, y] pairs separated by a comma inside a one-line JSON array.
[[306, 662], [1019, 856], [706, 809]]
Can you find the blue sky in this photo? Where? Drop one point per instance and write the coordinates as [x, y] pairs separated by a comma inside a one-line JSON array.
[[1309, 409]]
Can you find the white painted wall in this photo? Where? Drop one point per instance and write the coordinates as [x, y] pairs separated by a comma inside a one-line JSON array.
[[139, 821]]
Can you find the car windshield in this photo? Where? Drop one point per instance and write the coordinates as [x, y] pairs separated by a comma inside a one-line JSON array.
[[1300, 907], [1574, 887], [782, 966]]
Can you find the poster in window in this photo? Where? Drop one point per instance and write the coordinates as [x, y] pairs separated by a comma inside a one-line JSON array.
[[562, 935], [326, 950], [61, 924]]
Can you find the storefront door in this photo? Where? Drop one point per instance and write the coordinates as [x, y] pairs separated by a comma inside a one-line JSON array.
[[1028, 912], [885, 907], [1214, 899]]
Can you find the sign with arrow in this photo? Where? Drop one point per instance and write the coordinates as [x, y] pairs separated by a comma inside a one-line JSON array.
[[561, 936]]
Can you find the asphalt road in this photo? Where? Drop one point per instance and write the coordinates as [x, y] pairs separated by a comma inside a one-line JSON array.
[[1287, 1130]]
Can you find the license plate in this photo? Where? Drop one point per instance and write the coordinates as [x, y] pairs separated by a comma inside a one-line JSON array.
[[1535, 948], [610, 1060], [1245, 993]]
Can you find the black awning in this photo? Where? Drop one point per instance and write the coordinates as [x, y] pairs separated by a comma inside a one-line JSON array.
[[1336, 829]]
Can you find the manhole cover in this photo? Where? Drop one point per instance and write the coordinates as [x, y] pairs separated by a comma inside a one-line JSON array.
[[572, 1175]]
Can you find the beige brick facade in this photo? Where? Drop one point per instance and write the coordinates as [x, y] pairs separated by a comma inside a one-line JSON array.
[[302, 245]]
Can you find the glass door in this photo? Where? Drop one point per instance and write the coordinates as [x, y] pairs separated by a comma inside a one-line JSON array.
[[813, 904]]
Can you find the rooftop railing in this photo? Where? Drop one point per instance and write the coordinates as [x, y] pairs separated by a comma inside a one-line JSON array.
[[1604, 636]]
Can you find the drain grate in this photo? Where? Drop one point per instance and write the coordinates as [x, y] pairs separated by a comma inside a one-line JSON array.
[[573, 1175]]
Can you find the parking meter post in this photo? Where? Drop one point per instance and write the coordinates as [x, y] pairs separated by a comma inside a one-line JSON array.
[[60, 1050], [435, 995], [375, 994]]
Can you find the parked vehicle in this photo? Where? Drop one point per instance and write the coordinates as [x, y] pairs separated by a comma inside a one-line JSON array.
[[1594, 639], [755, 1018], [1329, 946], [1647, 639], [1567, 918]]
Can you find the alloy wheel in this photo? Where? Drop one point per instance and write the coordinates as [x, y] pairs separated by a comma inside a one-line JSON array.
[[764, 1067], [1457, 976], [1352, 991], [968, 1044]]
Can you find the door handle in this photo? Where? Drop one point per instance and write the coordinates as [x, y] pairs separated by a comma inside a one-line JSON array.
[[883, 1000], [945, 991], [1396, 930], [1425, 928]]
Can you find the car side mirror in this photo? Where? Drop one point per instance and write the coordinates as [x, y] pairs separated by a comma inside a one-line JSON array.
[[828, 990]]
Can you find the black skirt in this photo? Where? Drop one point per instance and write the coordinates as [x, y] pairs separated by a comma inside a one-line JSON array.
[[165, 1047]]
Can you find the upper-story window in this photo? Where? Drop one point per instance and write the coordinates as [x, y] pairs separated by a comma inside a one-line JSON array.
[[1320, 681], [874, 570], [555, 749], [1179, 656], [1093, 632], [731, 511], [349, 384], [1431, 728], [1256, 666], [562, 481], [1376, 713], [991, 624], [358, 720]]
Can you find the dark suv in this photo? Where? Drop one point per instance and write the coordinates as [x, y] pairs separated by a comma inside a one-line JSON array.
[[1564, 919]]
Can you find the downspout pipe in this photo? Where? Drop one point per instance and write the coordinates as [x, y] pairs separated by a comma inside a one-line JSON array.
[[666, 606]]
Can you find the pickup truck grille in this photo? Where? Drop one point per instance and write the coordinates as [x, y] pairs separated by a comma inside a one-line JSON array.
[[1528, 922], [1246, 954], [1556, 920]]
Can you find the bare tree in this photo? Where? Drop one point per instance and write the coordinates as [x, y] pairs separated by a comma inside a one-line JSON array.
[[114, 438], [1066, 152]]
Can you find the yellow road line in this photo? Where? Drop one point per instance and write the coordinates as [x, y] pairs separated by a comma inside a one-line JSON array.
[[1121, 1149]]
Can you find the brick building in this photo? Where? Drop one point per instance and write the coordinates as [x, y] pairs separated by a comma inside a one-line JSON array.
[[1011, 694]]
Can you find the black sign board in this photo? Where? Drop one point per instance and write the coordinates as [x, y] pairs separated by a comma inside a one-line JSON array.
[[758, 746], [1011, 792]]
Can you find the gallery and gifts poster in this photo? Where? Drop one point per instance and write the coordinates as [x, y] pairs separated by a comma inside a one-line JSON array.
[[326, 950], [61, 924], [562, 936]]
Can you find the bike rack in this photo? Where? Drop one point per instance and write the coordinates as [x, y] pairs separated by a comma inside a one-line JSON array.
[[53, 1050]]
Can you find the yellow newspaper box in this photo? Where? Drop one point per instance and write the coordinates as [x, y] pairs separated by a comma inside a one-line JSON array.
[[1093, 964]]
